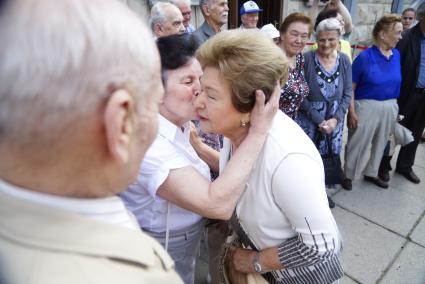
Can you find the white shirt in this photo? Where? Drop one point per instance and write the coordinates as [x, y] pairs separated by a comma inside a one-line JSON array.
[[108, 209], [170, 150], [285, 195]]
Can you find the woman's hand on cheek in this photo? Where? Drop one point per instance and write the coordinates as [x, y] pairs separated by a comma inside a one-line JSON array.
[[263, 113]]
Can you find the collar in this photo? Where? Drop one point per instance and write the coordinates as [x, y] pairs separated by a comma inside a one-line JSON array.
[[208, 30], [171, 131], [59, 230], [107, 209], [380, 53]]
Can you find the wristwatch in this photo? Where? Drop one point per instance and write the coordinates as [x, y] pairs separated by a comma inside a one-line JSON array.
[[256, 262]]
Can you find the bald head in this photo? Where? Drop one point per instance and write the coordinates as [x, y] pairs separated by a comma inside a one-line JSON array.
[[72, 73], [166, 19]]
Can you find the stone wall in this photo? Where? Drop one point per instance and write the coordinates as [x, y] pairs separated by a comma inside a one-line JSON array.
[[368, 12]]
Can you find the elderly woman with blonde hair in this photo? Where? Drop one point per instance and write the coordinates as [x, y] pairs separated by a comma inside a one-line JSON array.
[[373, 110], [282, 218]]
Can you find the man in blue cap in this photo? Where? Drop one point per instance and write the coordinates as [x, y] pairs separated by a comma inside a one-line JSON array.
[[249, 15]]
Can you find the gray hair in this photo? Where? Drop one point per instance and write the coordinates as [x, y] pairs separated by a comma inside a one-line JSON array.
[[158, 13], [59, 60], [330, 24]]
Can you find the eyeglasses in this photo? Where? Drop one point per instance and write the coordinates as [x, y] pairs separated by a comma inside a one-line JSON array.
[[187, 13], [407, 18]]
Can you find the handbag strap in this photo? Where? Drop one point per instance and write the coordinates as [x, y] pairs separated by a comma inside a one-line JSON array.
[[246, 241], [243, 237]]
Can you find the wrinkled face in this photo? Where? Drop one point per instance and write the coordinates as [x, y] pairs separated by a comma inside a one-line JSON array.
[[146, 120], [407, 19], [181, 88], [218, 11], [186, 12], [294, 39], [327, 42], [214, 105], [249, 20], [173, 23], [392, 36]]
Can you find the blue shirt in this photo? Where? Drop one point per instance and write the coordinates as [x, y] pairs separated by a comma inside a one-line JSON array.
[[421, 78], [376, 76]]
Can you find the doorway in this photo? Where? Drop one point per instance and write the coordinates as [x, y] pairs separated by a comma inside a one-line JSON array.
[[271, 14]]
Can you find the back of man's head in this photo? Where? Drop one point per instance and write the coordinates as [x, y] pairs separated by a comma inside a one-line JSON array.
[[62, 64]]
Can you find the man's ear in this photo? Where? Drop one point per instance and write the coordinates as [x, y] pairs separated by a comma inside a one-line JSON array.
[[205, 9], [157, 28], [118, 121]]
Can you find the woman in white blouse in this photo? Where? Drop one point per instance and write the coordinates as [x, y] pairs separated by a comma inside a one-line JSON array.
[[173, 189], [284, 210]]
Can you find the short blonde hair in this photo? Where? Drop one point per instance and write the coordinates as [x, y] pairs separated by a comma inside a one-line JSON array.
[[249, 60], [385, 23]]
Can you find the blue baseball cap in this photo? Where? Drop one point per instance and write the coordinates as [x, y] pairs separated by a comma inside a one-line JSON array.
[[249, 7]]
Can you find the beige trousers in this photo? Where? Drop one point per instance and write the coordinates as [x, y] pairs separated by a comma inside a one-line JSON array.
[[376, 121]]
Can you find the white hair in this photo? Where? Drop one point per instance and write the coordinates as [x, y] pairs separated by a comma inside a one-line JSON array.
[[330, 24], [158, 13], [60, 59]]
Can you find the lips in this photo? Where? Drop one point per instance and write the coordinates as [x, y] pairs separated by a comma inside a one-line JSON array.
[[202, 117]]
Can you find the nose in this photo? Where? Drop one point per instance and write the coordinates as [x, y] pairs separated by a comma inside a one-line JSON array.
[[226, 7], [199, 100], [182, 28]]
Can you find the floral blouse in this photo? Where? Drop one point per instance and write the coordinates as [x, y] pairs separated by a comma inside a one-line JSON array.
[[295, 89]]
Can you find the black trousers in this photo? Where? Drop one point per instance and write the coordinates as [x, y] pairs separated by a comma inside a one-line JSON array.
[[414, 120]]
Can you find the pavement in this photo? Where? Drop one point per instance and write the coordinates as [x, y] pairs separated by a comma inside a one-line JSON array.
[[383, 230]]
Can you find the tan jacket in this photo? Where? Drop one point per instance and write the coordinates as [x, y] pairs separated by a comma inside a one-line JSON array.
[[42, 245]]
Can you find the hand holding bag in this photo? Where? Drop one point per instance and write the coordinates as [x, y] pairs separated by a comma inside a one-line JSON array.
[[228, 273], [331, 163]]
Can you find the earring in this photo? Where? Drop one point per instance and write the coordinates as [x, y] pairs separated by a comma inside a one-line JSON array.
[[243, 123]]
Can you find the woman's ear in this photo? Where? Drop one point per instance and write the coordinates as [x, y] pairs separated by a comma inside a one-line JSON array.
[[118, 121]]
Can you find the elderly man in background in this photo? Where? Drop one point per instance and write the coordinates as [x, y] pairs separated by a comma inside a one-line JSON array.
[[166, 19], [249, 15], [78, 110], [186, 10], [215, 13]]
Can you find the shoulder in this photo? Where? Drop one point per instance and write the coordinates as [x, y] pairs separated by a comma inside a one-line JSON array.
[[110, 253], [344, 58], [309, 58], [286, 137], [363, 56]]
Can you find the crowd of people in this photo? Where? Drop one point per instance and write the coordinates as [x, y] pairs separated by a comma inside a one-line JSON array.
[[121, 147]]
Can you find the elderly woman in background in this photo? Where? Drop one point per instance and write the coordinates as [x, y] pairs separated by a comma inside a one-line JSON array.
[[328, 73], [373, 110], [173, 189], [343, 45], [290, 230], [294, 33]]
